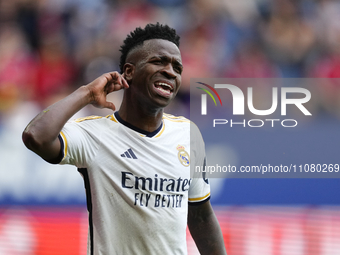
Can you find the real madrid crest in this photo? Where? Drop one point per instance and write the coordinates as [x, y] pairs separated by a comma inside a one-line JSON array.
[[183, 156]]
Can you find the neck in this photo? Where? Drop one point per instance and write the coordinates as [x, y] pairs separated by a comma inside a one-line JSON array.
[[140, 116]]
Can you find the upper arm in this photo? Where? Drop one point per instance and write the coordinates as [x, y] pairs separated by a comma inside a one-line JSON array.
[[205, 229], [199, 213], [51, 151], [55, 151]]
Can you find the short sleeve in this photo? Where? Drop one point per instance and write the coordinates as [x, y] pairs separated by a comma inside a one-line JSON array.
[[80, 142], [199, 191]]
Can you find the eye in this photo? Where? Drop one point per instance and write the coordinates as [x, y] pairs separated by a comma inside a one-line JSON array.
[[178, 69]]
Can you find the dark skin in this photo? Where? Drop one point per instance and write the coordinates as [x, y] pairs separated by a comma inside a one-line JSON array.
[[157, 62], [205, 229]]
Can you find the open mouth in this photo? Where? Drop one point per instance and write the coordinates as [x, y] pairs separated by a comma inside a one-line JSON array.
[[163, 89]]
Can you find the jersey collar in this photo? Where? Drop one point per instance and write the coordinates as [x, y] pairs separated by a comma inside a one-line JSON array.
[[146, 133]]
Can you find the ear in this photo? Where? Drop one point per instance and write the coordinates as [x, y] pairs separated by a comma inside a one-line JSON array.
[[128, 71]]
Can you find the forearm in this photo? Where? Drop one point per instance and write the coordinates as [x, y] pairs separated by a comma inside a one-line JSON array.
[[41, 134], [205, 230]]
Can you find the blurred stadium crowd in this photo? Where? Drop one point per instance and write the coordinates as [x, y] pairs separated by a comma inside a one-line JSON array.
[[50, 47]]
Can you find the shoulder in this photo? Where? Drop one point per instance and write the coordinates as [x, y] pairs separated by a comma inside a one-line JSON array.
[[180, 122], [93, 117], [93, 122], [176, 122], [174, 118]]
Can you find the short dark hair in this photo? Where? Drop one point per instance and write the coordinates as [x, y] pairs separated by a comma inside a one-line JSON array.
[[139, 35]]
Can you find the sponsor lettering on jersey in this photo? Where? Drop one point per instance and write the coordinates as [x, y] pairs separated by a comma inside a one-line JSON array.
[[159, 184]]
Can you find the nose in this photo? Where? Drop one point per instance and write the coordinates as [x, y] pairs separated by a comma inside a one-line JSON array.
[[168, 71]]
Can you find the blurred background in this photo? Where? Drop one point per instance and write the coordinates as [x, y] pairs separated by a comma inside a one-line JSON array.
[[48, 48]]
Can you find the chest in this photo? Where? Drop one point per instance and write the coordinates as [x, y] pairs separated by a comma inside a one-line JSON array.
[[128, 159]]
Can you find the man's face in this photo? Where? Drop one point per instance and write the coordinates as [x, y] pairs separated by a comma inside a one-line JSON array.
[[156, 75]]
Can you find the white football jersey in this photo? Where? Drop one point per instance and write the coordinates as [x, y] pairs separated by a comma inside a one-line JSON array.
[[138, 184]]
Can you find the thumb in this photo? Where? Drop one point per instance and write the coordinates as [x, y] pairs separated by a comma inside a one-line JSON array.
[[109, 105]]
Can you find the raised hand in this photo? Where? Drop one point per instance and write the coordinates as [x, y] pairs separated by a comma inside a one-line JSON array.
[[104, 85], [41, 134]]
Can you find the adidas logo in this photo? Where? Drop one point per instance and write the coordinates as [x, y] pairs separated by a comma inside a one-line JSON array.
[[129, 154]]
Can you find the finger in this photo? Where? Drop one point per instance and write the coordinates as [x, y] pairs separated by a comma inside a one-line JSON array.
[[115, 81], [119, 80], [109, 105], [114, 76], [110, 77], [110, 87], [125, 83], [118, 87]]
